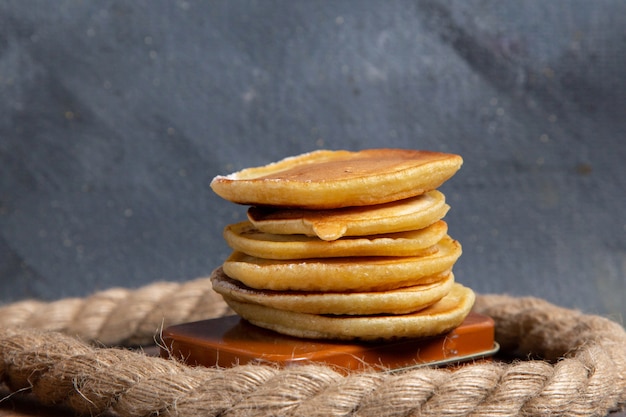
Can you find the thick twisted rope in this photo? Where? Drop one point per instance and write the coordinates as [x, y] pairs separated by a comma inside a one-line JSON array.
[[119, 316], [582, 371]]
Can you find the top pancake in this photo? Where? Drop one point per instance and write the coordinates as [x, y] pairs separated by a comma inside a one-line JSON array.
[[331, 179]]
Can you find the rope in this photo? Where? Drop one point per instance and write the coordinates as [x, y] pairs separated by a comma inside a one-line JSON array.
[[120, 316], [564, 363]]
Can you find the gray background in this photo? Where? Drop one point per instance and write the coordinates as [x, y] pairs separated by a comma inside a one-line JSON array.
[[115, 116]]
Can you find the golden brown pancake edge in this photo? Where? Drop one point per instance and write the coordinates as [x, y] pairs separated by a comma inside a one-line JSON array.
[[437, 319], [398, 301], [340, 274], [397, 216], [244, 237], [330, 179]]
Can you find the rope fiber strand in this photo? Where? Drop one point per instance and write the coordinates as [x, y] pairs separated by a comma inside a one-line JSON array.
[[51, 349]]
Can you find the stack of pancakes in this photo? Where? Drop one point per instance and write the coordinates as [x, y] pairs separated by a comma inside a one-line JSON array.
[[344, 245]]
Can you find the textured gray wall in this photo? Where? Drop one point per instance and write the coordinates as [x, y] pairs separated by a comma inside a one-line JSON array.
[[115, 115]]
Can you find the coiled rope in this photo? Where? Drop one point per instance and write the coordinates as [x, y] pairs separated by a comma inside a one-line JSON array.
[[564, 363]]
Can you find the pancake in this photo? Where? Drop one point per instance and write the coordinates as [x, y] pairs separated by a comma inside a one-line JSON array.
[[400, 301], [341, 274], [244, 237], [327, 179], [441, 317], [398, 216]]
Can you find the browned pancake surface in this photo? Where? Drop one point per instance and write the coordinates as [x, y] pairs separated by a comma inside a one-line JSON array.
[[331, 179]]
